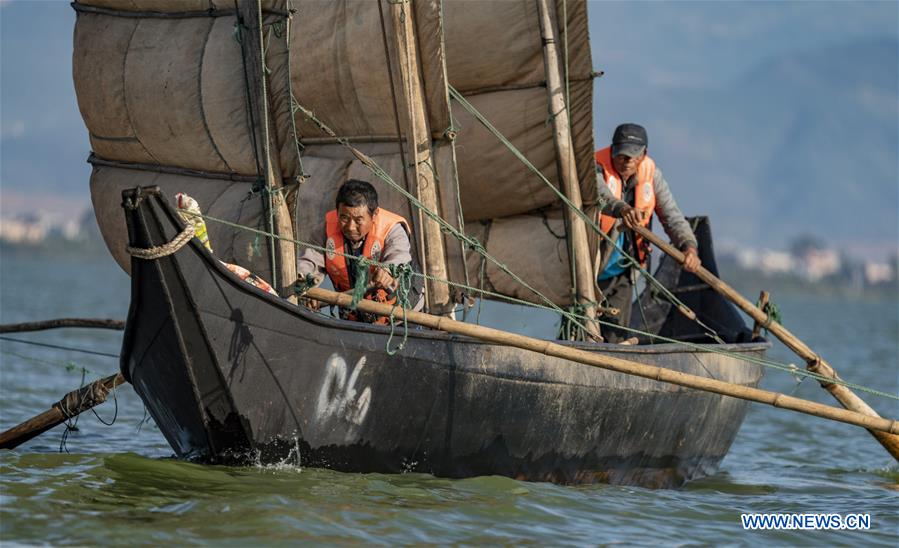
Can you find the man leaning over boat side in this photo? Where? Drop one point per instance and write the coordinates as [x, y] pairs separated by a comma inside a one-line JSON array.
[[357, 227], [632, 204]]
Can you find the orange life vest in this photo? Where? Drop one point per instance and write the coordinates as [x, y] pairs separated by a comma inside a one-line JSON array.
[[336, 263], [644, 194]]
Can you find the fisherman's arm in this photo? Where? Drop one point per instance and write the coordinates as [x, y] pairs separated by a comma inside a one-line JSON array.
[[615, 207], [611, 205], [311, 265], [676, 226]]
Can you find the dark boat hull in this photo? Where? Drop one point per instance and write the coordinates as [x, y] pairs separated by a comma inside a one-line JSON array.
[[232, 374]]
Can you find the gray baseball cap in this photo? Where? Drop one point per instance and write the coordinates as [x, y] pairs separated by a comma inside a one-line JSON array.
[[629, 140]]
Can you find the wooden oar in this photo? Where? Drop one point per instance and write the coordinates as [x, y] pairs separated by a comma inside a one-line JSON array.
[[550, 348], [73, 403], [814, 362]]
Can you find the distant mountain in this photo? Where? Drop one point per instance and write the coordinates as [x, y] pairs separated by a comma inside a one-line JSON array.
[[805, 143]]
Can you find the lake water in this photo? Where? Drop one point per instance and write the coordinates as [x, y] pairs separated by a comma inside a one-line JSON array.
[[117, 484]]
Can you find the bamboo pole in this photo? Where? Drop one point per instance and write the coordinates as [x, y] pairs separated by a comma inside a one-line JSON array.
[[611, 363], [284, 261], [72, 404], [58, 323], [419, 143], [814, 363], [580, 251]]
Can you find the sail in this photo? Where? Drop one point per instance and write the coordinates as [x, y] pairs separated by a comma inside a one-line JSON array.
[[163, 88], [495, 59]]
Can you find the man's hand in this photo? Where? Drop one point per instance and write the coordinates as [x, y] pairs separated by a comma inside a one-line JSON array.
[[311, 304], [633, 217], [691, 260], [383, 280]]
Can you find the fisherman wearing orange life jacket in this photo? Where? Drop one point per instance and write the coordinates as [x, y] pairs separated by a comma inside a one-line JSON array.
[[633, 188], [359, 228]]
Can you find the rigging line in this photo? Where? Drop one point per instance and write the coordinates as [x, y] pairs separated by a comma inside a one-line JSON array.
[[267, 199], [301, 176], [301, 173], [565, 54], [399, 132], [589, 222], [70, 366], [266, 144], [446, 227], [789, 368], [450, 132], [571, 263], [396, 108], [643, 312], [58, 347]]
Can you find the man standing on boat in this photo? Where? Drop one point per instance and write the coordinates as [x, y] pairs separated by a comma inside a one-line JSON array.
[[633, 190], [359, 228]]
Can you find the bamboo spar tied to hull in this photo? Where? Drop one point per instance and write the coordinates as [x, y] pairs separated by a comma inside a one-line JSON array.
[[72, 404], [814, 363]]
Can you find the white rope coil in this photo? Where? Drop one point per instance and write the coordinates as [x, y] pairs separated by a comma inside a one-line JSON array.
[[164, 250]]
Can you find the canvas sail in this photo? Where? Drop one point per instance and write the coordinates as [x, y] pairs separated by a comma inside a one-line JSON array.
[[162, 89]]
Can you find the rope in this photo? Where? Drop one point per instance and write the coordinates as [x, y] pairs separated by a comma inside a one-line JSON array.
[[68, 366], [403, 275], [70, 424], [772, 314], [115, 414], [164, 250], [396, 108], [58, 347], [450, 133], [74, 403], [362, 264], [297, 146], [92, 394], [238, 34]]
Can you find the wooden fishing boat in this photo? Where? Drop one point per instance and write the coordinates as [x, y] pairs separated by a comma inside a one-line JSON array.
[[229, 105], [231, 373]]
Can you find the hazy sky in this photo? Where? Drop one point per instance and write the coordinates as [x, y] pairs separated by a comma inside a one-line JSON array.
[[676, 45], [662, 46]]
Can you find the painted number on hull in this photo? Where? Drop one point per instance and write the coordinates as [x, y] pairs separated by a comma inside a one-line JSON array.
[[338, 397]]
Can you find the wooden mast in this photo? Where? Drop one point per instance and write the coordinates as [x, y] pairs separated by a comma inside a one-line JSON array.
[[285, 265], [580, 252], [418, 135]]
